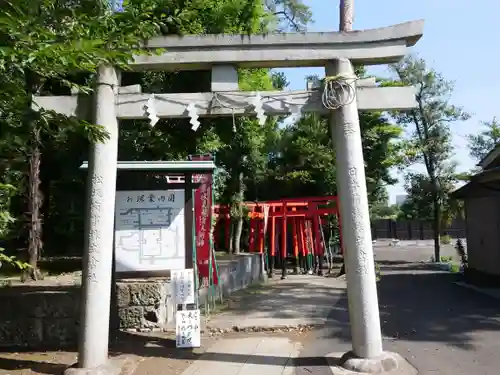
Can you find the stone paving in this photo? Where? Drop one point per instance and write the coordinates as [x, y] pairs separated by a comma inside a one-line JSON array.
[[438, 326], [248, 356], [299, 300]]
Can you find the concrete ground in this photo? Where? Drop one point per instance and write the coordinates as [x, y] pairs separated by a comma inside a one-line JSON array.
[[411, 251], [438, 326], [299, 300]]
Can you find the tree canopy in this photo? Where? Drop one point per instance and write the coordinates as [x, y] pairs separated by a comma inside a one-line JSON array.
[[48, 47]]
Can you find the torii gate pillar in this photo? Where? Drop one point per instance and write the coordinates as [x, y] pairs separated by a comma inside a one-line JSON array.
[[367, 355], [351, 185], [98, 248]]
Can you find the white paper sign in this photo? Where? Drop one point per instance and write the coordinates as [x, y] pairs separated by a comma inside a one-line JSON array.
[[149, 230], [183, 286], [187, 329]]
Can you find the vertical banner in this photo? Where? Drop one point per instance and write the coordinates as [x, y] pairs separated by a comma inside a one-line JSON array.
[[266, 217], [203, 221]]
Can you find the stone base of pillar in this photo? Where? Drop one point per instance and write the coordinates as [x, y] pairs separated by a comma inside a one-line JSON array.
[[114, 366], [386, 364]]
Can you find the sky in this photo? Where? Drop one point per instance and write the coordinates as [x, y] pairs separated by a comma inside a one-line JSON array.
[[461, 38]]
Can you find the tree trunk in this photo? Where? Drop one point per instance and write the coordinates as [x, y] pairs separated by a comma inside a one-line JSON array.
[[237, 235], [231, 236], [35, 201], [437, 227], [346, 15], [239, 223]]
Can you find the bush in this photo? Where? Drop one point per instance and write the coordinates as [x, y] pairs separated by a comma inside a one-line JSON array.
[[6, 192], [378, 274], [445, 240], [462, 253]]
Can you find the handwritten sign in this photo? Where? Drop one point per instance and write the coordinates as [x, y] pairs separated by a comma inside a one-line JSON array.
[[149, 230], [183, 286], [187, 329]]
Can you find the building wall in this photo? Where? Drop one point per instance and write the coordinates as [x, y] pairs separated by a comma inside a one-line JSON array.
[[483, 232], [414, 229]]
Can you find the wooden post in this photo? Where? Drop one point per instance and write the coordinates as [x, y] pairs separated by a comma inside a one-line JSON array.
[[295, 229], [227, 230], [251, 234], [283, 242], [317, 245], [272, 241]]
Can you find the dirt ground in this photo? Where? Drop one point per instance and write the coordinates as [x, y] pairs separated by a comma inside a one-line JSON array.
[[147, 354], [153, 353]]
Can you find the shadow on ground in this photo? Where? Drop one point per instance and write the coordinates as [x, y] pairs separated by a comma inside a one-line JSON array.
[[283, 300], [160, 347], [39, 366], [429, 307], [415, 306]]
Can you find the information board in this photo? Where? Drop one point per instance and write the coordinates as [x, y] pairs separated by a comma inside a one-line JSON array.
[[149, 230]]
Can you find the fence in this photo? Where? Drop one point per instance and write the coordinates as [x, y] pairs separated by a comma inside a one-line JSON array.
[[414, 230]]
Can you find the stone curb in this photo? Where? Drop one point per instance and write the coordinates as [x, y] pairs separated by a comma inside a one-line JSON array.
[[214, 331]]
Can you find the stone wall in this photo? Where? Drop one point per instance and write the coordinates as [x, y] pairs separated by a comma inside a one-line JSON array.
[[47, 317], [31, 317], [147, 305]]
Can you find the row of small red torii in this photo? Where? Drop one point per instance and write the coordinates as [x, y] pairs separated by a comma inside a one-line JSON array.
[[296, 211]]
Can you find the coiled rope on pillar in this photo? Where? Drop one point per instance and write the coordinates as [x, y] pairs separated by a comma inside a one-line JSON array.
[[338, 91]]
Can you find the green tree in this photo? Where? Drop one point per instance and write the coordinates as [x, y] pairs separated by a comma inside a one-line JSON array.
[[6, 219], [381, 209], [65, 37], [430, 140], [289, 14], [418, 205], [243, 155], [239, 144], [481, 144], [43, 45]]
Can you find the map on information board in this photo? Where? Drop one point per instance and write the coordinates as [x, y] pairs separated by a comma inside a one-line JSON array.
[[149, 230]]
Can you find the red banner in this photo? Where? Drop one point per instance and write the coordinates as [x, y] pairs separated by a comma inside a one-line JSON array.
[[203, 222]]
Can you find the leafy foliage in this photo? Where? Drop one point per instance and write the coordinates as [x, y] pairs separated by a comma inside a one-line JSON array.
[[48, 48], [481, 144], [429, 142], [6, 220], [290, 14]]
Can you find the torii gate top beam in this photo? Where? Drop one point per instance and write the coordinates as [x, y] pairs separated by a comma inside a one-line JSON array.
[[367, 47]]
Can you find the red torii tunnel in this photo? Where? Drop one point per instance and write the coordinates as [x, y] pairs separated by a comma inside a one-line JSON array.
[[273, 219]]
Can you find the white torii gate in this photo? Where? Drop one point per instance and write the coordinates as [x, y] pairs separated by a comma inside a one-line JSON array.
[[223, 54]]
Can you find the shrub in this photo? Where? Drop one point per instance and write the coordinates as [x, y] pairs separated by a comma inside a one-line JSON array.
[[445, 240]]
